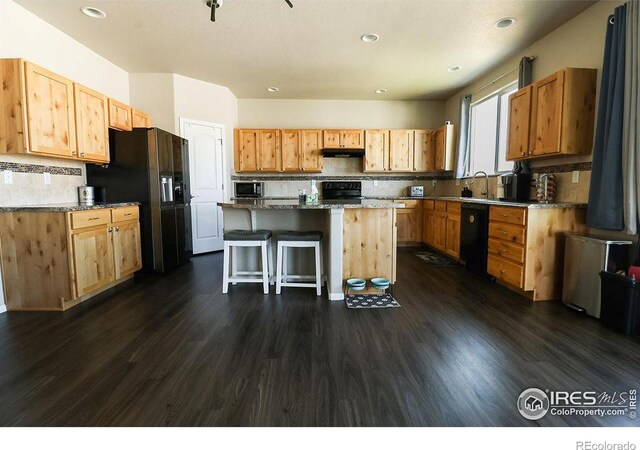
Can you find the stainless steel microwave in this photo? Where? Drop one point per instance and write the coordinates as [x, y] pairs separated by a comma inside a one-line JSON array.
[[249, 189]]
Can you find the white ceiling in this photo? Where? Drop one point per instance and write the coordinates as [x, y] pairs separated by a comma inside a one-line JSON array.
[[312, 51]]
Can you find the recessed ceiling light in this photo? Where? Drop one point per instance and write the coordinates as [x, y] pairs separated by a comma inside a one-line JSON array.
[[273, 89], [92, 12], [453, 68], [505, 22], [381, 91], [369, 37]]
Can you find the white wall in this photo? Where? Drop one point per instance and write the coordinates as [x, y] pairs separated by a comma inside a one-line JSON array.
[[153, 93], [274, 113]]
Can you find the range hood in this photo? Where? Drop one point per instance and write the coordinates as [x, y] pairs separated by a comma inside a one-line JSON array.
[[343, 152]]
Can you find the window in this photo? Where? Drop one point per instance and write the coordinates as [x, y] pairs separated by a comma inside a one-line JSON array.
[[489, 119]]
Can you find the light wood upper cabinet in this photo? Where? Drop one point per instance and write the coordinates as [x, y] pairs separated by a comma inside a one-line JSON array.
[[127, 252], [560, 115], [352, 138], [269, 156], [140, 119], [444, 143], [92, 259], [291, 150], [311, 143], [119, 115], [343, 138], [246, 150], [519, 124], [50, 112], [423, 151], [92, 126], [401, 150], [376, 152]]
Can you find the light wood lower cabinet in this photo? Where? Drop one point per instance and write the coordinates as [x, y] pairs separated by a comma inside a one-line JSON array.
[[409, 222], [369, 243], [92, 259], [54, 260], [526, 247]]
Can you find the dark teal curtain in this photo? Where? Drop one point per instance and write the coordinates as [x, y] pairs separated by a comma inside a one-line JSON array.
[[605, 209]]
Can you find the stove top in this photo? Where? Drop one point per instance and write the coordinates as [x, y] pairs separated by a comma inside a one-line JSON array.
[[342, 190]]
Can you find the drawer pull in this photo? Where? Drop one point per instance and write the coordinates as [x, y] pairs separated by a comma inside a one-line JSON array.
[[502, 271], [127, 214], [93, 218], [503, 232]]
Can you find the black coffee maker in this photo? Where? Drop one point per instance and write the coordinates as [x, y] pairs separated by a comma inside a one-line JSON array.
[[516, 187]]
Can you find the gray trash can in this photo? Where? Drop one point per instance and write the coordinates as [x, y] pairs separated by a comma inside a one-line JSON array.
[[585, 257]]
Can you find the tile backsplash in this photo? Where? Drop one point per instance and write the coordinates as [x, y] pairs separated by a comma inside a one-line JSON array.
[[28, 187]]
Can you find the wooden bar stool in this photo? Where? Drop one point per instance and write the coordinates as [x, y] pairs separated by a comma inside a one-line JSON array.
[[299, 239], [241, 238]]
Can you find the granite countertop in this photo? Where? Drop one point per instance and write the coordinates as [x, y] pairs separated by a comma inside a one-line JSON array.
[[529, 205], [65, 207], [294, 204]]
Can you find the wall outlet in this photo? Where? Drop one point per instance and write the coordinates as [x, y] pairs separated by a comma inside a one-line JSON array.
[[434, 183], [47, 177], [8, 177], [375, 183], [575, 176]]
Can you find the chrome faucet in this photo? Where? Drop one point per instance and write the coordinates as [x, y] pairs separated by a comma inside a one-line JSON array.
[[486, 183]]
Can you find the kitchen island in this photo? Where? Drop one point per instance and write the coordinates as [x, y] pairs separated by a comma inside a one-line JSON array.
[[359, 235]]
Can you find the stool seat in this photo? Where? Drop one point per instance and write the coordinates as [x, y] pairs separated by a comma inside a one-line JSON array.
[[242, 235], [306, 236]]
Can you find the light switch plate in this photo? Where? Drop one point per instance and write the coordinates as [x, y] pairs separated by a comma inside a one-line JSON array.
[[434, 182], [575, 176], [47, 178], [375, 183], [8, 177]]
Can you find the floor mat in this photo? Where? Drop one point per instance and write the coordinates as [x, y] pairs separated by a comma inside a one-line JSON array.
[[436, 260], [371, 301]]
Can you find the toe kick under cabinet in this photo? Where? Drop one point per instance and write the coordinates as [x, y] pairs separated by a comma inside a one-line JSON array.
[[53, 260], [526, 247]]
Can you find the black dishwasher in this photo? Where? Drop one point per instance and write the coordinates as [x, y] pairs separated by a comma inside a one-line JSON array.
[[474, 236]]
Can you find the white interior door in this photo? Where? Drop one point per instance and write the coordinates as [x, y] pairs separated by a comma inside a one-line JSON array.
[[207, 175]]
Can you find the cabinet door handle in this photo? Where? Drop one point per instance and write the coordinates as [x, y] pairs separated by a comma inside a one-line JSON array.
[[109, 229], [502, 271], [73, 153], [117, 229]]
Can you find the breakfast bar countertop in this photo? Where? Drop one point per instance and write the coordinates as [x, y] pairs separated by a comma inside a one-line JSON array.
[[65, 207], [322, 204]]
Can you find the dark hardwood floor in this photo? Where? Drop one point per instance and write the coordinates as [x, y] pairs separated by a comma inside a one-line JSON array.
[[173, 350]]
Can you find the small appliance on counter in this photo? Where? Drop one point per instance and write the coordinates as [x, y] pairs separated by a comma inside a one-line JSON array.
[[516, 187], [466, 192], [86, 195], [415, 191], [248, 189]]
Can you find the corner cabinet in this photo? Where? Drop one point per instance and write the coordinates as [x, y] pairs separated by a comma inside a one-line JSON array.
[[140, 119], [85, 253], [444, 147], [554, 116]]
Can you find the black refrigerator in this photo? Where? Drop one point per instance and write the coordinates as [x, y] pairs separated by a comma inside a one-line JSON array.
[[151, 166]]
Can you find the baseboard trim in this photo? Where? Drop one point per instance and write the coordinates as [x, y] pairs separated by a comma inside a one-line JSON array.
[[336, 297]]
